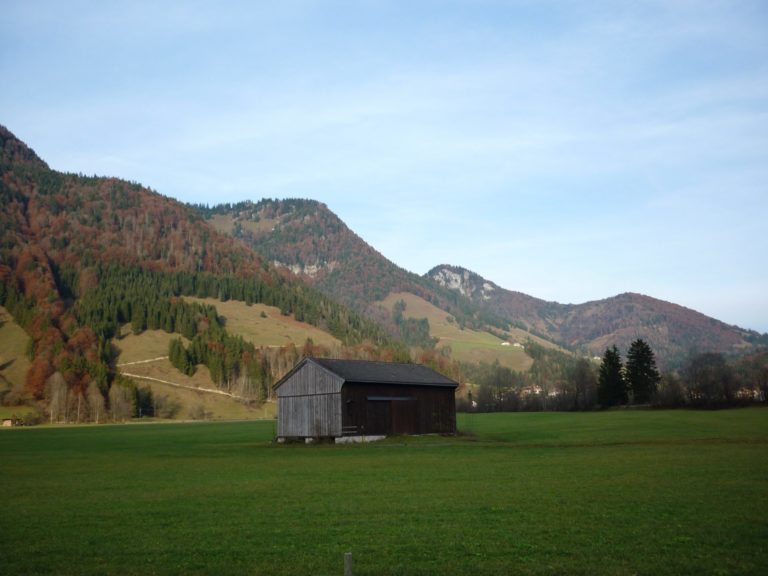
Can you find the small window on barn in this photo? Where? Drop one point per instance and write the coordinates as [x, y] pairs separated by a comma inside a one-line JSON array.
[[349, 407]]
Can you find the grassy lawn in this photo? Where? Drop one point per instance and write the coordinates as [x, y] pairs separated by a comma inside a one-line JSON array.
[[606, 493]]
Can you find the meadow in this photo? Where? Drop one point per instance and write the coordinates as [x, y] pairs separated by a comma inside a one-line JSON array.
[[466, 344], [264, 325], [141, 356], [625, 492], [14, 362]]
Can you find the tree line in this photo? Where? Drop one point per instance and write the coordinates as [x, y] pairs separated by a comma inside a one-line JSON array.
[[558, 381]]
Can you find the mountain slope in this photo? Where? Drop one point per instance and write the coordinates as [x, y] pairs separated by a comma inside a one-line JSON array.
[[82, 256], [671, 330], [465, 344], [305, 237], [310, 240]]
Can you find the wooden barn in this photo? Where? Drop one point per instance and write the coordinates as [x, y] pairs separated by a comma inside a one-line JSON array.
[[323, 398]]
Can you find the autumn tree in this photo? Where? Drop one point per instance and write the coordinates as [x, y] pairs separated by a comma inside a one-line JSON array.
[[641, 373]]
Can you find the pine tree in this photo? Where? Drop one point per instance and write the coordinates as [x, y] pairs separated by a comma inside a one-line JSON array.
[[642, 376], [611, 388]]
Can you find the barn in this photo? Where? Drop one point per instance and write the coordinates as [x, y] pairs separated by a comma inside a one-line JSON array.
[[322, 398]]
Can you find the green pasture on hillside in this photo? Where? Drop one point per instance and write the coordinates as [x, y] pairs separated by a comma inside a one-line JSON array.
[[466, 344], [626, 492]]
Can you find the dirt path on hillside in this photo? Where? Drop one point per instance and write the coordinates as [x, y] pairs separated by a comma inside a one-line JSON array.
[[143, 361], [177, 385]]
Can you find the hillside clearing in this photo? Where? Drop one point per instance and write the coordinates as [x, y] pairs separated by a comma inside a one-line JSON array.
[[264, 325], [13, 358], [144, 358], [466, 345], [594, 493]]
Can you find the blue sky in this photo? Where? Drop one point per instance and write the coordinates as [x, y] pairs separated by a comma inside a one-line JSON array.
[[569, 150]]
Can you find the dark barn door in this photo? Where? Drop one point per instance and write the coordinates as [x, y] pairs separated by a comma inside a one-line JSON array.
[[404, 416], [391, 415], [377, 418]]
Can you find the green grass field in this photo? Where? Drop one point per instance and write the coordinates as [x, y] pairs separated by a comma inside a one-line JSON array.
[[630, 492]]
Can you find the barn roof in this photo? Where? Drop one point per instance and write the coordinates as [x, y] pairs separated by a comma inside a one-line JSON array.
[[384, 372]]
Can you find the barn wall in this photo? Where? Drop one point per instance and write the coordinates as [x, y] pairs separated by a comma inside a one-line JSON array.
[[309, 416], [309, 403], [411, 410]]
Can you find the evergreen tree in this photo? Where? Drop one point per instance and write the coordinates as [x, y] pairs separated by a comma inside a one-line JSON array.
[[642, 375], [611, 388]]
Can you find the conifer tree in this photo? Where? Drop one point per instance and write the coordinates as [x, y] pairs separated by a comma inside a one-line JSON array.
[[611, 388], [642, 375]]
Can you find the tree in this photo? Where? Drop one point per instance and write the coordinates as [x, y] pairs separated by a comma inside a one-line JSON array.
[[581, 377], [710, 380], [671, 392], [58, 396], [641, 373], [122, 400], [611, 388], [497, 388], [95, 402]]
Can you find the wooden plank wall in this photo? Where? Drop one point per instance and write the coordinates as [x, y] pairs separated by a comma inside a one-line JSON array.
[[309, 416], [309, 404], [432, 409]]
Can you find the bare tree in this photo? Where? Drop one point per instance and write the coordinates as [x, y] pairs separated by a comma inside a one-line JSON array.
[[122, 401], [56, 388], [96, 405]]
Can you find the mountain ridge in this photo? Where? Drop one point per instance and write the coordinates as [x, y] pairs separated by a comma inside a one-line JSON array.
[[672, 330], [57, 227], [305, 236]]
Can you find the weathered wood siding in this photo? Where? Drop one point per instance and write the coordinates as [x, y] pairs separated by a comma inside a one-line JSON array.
[[310, 379], [309, 416], [309, 403]]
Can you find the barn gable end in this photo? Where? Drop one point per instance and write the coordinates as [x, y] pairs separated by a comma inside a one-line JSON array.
[[309, 402]]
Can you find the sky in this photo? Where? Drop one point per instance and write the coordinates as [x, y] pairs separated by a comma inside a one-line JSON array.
[[569, 150]]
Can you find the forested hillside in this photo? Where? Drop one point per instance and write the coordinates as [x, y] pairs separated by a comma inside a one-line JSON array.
[[305, 237], [80, 256]]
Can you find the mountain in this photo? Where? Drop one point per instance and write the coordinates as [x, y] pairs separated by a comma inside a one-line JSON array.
[[673, 331], [82, 257], [308, 239]]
